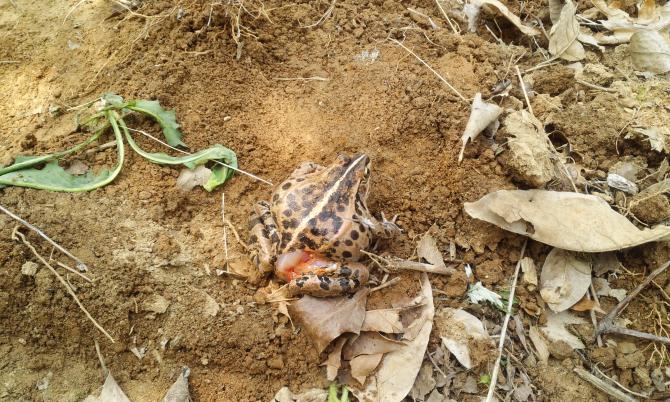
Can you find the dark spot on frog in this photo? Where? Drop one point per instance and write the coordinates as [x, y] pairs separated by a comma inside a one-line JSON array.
[[354, 235], [307, 204], [275, 198], [253, 239], [337, 224], [305, 240], [266, 233], [336, 243], [325, 215], [347, 254], [344, 284], [300, 282], [357, 283], [253, 222], [309, 189], [318, 232], [300, 179], [285, 238], [274, 237], [348, 243], [287, 212], [345, 271], [362, 227], [341, 208], [286, 185]]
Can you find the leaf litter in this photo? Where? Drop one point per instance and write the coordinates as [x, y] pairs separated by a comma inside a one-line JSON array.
[[565, 279]]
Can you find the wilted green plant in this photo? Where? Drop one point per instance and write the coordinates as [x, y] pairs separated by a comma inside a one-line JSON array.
[[110, 112]]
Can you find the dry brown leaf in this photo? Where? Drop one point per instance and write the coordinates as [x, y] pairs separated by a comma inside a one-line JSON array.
[[482, 115], [324, 319], [556, 331], [563, 36], [398, 370], [570, 221], [565, 279], [189, 178], [427, 249], [424, 383], [529, 271], [462, 332], [650, 51], [586, 304], [622, 26], [383, 320], [369, 343], [363, 365], [540, 344], [334, 360], [530, 157], [502, 9], [111, 392]]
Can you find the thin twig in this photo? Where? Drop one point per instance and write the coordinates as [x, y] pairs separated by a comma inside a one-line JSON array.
[[594, 86], [323, 17], [16, 235], [594, 320], [607, 324], [74, 271], [598, 371], [446, 17], [103, 366], [523, 88], [101, 147], [237, 235], [386, 284], [503, 331], [189, 153], [80, 265], [9, 62], [463, 98], [315, 78], [603, 386], [223, 219]]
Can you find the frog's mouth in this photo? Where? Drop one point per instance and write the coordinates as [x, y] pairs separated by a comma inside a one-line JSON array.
[[297, 263]]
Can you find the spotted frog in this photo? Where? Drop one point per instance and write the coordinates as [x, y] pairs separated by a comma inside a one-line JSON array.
[[312, 233]]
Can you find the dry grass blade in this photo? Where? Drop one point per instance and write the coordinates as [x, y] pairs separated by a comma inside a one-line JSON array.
[[16, 235], [603, 386], [325, 15]]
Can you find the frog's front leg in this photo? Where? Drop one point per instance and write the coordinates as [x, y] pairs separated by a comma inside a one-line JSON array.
[[384, 229], [263, 239]]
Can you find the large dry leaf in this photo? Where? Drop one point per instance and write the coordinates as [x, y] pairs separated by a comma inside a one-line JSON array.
[[383, 320], [622, 26], [540, 344], [424, 383], [482, 115], [650, 51], [427, 249], [565, 279], [530, 158], [555, 329], [398, 370], [555, 8], [324, 319], [571, 221], [461, 332], [363, 365], [111, 392], [369, 343], [563, 36], [334, 360], [502, 9]]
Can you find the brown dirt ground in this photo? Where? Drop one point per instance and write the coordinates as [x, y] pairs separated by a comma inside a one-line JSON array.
[[143, 237]]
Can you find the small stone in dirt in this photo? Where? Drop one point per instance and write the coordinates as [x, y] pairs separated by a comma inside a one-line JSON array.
[[490, 272], [631, 360], [651, 210], [155, 304], [29, 268], [604, 356], [626, 348], [458, 285], [642, 378], [276, 363], [560, 350], [658, 379], [144, 195]]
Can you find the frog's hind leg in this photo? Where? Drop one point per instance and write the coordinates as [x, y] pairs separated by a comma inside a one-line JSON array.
[[351, 278], [263, 238]]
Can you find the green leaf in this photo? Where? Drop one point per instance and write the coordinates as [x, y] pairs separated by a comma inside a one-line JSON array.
[[485, 379], [214, 153], [165, 118], [113, 99], [333, 391], [54, 178]]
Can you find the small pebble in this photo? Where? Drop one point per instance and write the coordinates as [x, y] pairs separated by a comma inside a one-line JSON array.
[[276, 363], [626, 347], [29, 268]]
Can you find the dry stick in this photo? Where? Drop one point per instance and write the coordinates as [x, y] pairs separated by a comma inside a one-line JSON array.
[[523, 88], [446, 17], [223, 219], [618, 384], [503, 331], [386, 284], [594, 86], [80, 265], [594, 320], [315, 78], [603, 386], [74, 271], [9, 62], [454, 90], [103, 366], [607, 324], [16, 235], [324, 16]]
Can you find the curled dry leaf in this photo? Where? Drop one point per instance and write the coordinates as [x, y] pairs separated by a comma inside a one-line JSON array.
[[540, 344], [621, 183], [383, 320], [427, 249], [482, 115], [530, 157], [622, 26], [563, 37], [311, 395], [334, 360], [398, 370], [475, 5], [369, 343], [324, 319], [363, 365], [586, 304], [556, 331], [657, 137], [570, 221], [461, 333], [111, 392], [178, 392], [650, 51], [565, 279], [189, 178], [478, 293], [603, 289]]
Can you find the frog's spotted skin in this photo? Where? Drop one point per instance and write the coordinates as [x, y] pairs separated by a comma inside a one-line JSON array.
[[320, 211]]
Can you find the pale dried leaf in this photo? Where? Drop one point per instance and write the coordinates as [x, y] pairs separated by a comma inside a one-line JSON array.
[[311, 395], [540, 344], [178, 392], [650, 51], [383, 320], [522, 392], [369, 343], [623, 26], [530, 155], [363, 365], [621, 183], [424, 382], [324, 319], [516, 21], [529, 271], [656, 137], [586, 304], [334, 360], [427, 249], [603, 289], [482, 115], [565, 279], [555, 7], [563, 41], [398, 370], [111, 392], [77, 168], [189, 178], [570, 221], [460, 332], [556, 331], [478, 293]]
